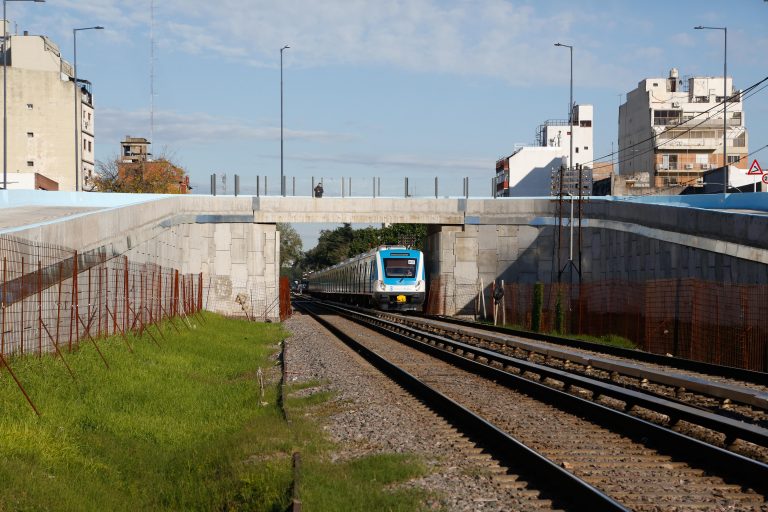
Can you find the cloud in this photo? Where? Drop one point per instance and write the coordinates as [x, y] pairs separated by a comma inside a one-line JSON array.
[[487, 38], [175, 128]]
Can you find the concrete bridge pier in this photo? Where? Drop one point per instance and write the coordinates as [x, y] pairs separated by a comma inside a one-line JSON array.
[[462, 258]]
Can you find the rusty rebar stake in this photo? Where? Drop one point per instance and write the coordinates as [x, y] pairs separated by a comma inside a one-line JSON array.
[[58, 351], [92, 340], [122, 334], [18, 383]]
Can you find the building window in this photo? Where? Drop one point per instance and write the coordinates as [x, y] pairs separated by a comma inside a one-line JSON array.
[[732, 159], [702, 159], [30, 106], [30, 135], [90, 146], [669, 162], [655, 84], [85, 145], [585, 124], [586, 148], [740, 141], [30, 163], [667, 117], [577, 149], [701, 99]]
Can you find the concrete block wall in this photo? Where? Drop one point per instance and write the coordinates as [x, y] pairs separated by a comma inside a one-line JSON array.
[[217, 236], [516, 243]]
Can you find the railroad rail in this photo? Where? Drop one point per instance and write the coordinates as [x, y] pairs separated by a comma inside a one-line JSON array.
[[493, 439], [680, 363], [494, 368], [744, 400]]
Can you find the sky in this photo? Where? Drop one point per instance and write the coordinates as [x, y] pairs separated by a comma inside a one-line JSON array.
[[382, 88]]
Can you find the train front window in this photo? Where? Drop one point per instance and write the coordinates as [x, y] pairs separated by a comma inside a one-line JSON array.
[[400, 267]]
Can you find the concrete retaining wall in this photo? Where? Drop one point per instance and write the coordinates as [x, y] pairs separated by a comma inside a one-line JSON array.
[[625, 241]]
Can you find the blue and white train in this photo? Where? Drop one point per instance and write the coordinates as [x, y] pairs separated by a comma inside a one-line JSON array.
[[390, 277]]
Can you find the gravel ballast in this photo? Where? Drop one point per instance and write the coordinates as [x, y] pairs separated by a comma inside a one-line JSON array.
[[376, 416]]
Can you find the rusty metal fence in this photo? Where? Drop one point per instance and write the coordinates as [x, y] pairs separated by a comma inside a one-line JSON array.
[[52, 298], [721, 323]]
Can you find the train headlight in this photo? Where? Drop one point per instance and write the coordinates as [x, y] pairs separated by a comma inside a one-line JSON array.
[[380, 286]]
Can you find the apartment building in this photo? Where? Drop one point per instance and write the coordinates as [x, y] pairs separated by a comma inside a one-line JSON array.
[[41, 104], [672, 128], [534, 170]]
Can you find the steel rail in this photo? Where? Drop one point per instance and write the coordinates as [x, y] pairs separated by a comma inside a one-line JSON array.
[[731, 372], [676, 411], [554, 479], [747, 471]]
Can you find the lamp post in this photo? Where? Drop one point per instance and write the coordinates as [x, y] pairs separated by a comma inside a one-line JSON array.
[[570, 166], [282, 179], [725, 100], [77, 139], [570, 106], [5, 88]]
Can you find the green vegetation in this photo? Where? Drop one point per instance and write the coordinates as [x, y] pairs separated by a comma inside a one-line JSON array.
[[344, 242], [176, 427], [538, 304], [607, 339]]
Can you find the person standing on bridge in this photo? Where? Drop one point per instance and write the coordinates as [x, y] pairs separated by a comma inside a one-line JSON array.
[[319, 190]]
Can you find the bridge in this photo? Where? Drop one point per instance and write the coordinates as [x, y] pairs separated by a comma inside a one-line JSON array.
[[234, 244]]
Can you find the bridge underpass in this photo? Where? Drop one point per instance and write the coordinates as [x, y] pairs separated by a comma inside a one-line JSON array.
[[232, 242]]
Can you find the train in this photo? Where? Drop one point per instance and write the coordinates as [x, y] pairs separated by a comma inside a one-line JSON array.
[[389, 278]]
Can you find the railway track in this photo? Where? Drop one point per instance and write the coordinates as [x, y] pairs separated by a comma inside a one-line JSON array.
[[724, 410], [616, 469]]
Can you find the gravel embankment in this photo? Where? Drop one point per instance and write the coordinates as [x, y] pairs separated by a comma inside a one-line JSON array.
[[376, 416]]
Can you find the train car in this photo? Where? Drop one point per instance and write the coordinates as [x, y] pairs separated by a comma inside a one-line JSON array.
[[390, 278]]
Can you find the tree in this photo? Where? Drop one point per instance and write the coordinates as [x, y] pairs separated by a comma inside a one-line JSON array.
[[344, 242], [159, 176], [290, 245]]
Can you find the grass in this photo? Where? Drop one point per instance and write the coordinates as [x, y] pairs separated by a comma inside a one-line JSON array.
[[607, 339], [613, 340], [176, 427]]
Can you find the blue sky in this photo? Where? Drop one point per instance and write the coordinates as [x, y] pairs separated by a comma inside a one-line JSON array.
[[417, 88]]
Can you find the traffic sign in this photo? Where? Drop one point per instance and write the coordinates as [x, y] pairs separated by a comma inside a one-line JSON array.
[[755, 168], [765, 178]]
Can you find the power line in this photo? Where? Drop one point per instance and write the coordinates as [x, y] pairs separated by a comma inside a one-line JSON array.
[[745, 94]]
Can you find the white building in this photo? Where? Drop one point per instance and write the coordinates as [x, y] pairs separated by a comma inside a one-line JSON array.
[[672, 128], [534, 170], [41, 102]]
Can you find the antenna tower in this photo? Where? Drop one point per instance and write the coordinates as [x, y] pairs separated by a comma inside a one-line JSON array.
[[152, 71]]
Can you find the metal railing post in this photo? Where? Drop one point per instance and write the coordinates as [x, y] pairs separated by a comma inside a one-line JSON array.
[[406, 186], [436, 191], [213, 184], [237, 185]]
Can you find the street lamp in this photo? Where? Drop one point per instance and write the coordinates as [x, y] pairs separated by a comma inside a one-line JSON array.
[[77, 139], [282, 179], [725, 100], [5, 88], [570, 166], [570, 104]]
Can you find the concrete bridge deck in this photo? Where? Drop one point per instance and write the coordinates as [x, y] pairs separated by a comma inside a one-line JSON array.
[[234, 239]]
